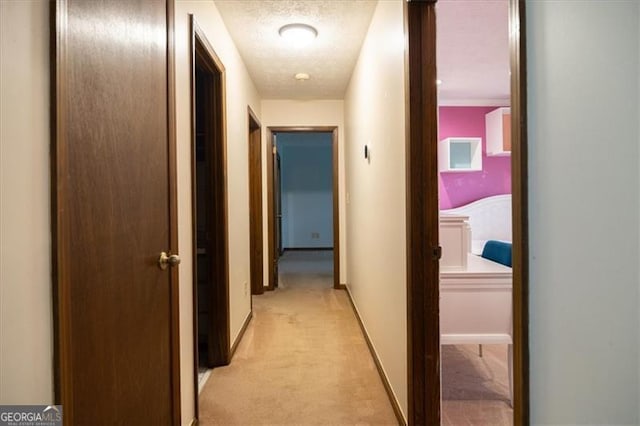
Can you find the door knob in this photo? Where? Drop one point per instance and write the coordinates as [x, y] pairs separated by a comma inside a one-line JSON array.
[[168, 260]]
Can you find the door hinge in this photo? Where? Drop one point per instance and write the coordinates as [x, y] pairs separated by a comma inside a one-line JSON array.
[[274, 150], [437, 253]]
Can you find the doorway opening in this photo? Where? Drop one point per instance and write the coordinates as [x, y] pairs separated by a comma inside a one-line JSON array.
[[423, 243], [474, 176], [209, 210], [302, 197]]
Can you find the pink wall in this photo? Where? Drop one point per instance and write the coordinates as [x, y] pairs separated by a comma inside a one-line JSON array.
[[458, 189]]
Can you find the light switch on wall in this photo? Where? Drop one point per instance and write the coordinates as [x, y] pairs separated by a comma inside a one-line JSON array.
[[367, 151]]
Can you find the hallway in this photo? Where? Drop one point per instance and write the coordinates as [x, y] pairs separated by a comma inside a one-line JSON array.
[[303, 358]]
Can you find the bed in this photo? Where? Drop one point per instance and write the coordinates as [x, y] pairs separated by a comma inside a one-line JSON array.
[[475, 293], [489, 219]]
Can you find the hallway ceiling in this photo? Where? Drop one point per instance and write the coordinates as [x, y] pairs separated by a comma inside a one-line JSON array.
[[472, 42], [329, 59], [473, 51]]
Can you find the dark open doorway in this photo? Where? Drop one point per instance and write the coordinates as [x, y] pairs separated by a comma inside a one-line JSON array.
[[209, 208]]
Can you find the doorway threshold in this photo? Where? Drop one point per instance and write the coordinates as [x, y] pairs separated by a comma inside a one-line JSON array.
[[203, 375]]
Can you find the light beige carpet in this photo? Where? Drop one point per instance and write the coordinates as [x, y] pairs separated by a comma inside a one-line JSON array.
[[303, 359]]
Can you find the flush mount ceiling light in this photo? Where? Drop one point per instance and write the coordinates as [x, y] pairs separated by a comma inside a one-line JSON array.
[[302, 76], [298, 34]]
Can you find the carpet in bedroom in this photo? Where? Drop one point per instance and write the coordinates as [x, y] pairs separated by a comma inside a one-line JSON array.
[[475, 390]]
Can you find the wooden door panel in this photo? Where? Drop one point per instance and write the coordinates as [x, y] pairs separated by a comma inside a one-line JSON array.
[[278, 215], [423, 337], [113, 209], [255, 208]]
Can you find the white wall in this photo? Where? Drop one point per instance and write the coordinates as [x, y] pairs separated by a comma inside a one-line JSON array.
[[240, 93], [308, 113], [26, 351], [583, 211], [376, 256]]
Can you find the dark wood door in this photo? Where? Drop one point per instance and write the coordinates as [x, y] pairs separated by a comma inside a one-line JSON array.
[[277, 194], [278, 183], [255, 204], [423, 276], [113, 200]]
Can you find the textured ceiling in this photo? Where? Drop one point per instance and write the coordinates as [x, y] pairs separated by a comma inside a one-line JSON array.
[[472, 41], [473, 51], [272, 63]]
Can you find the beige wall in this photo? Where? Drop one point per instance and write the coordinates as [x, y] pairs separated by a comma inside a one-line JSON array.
[[308, 113], [583, 67], [25, 238], [240, 93], [376, 256]]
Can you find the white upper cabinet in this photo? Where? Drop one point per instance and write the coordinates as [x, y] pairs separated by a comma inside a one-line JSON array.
[[498, 124], [460, 155]]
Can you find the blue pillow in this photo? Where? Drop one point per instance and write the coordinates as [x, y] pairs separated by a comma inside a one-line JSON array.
[[498, 251]]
